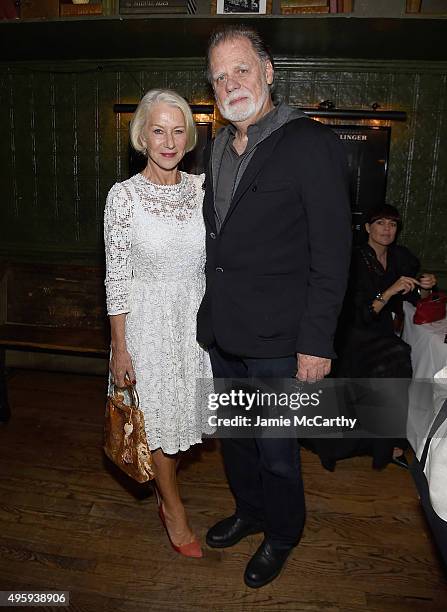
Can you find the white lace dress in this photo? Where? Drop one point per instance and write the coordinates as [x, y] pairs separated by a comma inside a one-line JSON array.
[[155, 256]]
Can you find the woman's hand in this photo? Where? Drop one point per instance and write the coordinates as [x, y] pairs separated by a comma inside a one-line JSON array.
[[427, 281], [403, 285], [120, 366], [120, 360]]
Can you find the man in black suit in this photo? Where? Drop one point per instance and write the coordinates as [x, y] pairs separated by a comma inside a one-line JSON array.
[[278, 238]]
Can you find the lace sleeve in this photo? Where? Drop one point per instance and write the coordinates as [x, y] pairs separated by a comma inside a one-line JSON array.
[[118, 217]]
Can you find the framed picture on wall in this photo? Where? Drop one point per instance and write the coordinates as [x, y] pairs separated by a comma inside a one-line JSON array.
[[192, 162], [367, 149], [241, 7]]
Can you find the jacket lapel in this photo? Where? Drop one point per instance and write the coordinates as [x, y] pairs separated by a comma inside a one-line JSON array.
[[208, 199], [215, 152], [208, 206]]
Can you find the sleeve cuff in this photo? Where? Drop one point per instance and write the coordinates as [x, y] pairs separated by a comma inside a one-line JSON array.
[[117, 311]]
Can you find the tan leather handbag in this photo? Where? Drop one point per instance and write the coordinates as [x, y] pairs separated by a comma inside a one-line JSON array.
[[125, 440]]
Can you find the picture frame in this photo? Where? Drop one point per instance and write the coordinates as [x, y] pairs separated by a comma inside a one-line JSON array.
[[242, 7]]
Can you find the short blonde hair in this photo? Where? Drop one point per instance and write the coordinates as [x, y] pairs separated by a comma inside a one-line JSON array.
[[155, 96]]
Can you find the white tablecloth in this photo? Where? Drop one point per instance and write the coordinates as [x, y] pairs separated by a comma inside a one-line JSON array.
[[428, 356], [428, 351], [426, 398]]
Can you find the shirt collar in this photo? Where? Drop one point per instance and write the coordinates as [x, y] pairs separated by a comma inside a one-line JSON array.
[[257, 128], [256, 131]]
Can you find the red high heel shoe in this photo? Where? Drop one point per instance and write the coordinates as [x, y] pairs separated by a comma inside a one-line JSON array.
[[192, 549]]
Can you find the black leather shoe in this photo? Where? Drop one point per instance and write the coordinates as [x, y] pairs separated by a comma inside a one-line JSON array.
[[401, 461], [265, 565], [229, 531]]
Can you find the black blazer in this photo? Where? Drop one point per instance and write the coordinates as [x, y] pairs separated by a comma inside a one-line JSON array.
[[277, 270]]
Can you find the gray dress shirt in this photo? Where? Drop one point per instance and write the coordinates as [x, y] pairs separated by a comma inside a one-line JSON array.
[[232, 165]]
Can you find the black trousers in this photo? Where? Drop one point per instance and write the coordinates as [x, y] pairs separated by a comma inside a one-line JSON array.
[[264, 473]]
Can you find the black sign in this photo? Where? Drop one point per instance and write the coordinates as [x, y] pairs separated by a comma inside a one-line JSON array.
[[367, 150]]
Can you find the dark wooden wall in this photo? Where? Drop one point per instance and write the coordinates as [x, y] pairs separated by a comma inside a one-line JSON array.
[[62, 146]]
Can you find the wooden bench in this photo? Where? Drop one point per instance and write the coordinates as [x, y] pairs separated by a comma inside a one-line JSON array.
[[51, 307]]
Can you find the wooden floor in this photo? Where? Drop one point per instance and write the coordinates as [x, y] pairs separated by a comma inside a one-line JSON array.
[[68, 522]]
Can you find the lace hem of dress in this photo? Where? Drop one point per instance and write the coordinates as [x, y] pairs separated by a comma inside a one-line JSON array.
[[173, 450]]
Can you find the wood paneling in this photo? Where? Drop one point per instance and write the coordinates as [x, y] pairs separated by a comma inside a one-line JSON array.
[[54, 296], [64, 147]]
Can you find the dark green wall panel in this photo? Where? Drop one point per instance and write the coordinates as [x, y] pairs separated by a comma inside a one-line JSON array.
[[62, 146]]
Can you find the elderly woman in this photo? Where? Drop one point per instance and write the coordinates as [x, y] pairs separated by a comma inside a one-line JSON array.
[[383, 274], [154, 241]]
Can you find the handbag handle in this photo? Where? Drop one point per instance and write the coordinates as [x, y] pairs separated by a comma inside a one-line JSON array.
[[131, 389]]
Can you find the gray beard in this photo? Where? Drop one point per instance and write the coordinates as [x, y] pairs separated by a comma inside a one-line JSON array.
[[235, 115]]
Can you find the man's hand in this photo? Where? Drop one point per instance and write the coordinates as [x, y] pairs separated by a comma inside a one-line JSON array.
[[310, 368]]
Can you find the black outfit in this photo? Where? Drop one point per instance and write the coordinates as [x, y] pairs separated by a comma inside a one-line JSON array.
[[264, 473], [367, 279], [369, 348], [276, 273]]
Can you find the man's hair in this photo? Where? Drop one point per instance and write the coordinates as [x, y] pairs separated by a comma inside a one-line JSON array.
[[237, 31]]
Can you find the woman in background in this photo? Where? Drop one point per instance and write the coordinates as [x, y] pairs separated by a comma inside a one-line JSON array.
[[383, 274]]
